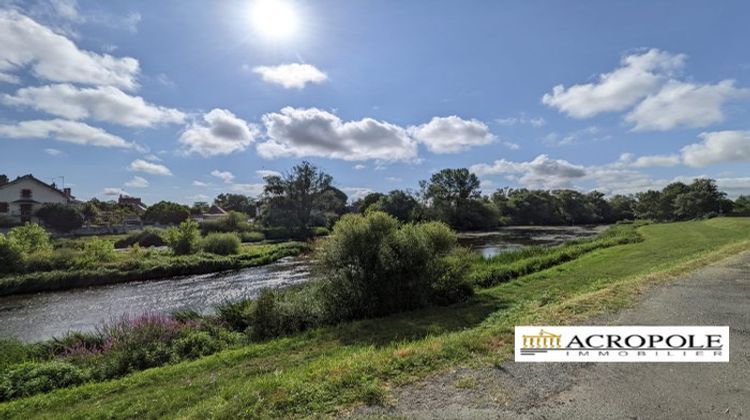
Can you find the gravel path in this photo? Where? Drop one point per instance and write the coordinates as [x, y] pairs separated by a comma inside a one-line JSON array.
[[715, 295]]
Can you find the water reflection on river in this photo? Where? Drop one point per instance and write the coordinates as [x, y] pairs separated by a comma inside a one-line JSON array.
[[43, 315]]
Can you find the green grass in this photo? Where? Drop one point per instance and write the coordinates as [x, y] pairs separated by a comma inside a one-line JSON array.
[[148, 265], [329, 370]]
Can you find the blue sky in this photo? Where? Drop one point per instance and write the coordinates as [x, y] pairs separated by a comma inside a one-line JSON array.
[[182, 100]]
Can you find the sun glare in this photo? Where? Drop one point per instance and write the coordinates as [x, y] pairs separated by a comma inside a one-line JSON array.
[[275, 19]]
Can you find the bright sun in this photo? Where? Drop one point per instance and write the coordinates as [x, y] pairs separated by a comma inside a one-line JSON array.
[[274, 18]]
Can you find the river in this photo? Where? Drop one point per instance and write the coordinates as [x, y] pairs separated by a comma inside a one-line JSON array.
[[40, 316]]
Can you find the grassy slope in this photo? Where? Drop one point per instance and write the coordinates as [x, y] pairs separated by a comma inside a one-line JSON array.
[[331, 369]]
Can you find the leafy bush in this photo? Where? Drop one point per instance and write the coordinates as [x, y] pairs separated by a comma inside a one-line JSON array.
[[373, 266], [30, 238], [32, 378], [60, 217], [13, 352], [137, 343], [321, 231], [95, 252], [194, 344], [167, 213], [183, 239], [252, 236], [145, 238], [234, 221], [221, 243], [11, 256]]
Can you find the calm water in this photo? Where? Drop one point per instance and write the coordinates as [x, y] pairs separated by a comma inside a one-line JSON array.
[[512, 238], [44, 315]]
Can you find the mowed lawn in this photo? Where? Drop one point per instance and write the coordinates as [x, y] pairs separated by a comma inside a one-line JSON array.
[[330, 370]]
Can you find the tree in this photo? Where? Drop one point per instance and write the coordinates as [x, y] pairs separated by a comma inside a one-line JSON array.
[[368, 200], [167, 213], [236, 202], [199, 207], [290, 199], [648, 205], [90, 211], [622, 207], [399, 204], [3, 179], [449, 192], [60, 217], [742, 205]]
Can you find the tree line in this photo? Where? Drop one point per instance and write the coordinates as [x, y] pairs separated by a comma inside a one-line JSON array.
[[305, 197]]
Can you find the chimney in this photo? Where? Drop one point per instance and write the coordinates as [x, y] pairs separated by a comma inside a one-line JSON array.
[[66, 191]]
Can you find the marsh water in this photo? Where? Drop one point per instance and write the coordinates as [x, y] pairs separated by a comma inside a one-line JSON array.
[[40, 316]]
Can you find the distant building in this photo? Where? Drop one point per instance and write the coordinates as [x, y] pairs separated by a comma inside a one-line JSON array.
[[22, 197], [132, 202], [215, 212]]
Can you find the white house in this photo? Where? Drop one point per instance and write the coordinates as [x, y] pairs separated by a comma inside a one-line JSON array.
[[22, 197]]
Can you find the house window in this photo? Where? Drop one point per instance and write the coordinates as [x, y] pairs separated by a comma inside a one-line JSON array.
[[3, 207], [25, 193]]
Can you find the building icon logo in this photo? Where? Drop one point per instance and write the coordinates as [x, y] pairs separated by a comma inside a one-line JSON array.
[[543, 340]]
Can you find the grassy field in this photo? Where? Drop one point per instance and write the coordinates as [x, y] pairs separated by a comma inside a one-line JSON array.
[[330, 370]]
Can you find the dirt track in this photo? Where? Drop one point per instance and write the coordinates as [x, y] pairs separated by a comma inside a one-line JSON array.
[[715, 295]]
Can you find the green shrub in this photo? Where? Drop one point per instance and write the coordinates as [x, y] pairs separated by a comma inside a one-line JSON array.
[[59, 259], [95, 252], [60, 217], [252, 236], [452, 284], [321, 231], [221, 243], [195, 344], [30, 238], [145, 238], [372, 266], [183, 240], [237, 315], [283, 312], [11, 256], [13, 352], [33, 378]]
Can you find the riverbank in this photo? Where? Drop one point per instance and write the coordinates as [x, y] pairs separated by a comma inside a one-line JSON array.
[[331, 369], [145, 265]]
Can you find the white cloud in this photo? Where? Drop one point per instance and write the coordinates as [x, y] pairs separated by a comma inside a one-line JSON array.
[[359, 167], [292, 75], [265, 172], [718, 147], [656, 160], [220, 133], [9, 78], [198, 197], [200, 184], [452, 134], [522, 119], [140, 165], [248, 189], [114, 191], [680, 104], [137, 182], [734, 186], [62, 130], [225, 176], [302, 132], [54, 57], [638, 76], [103, 103], [542, 172], [53, 152]]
